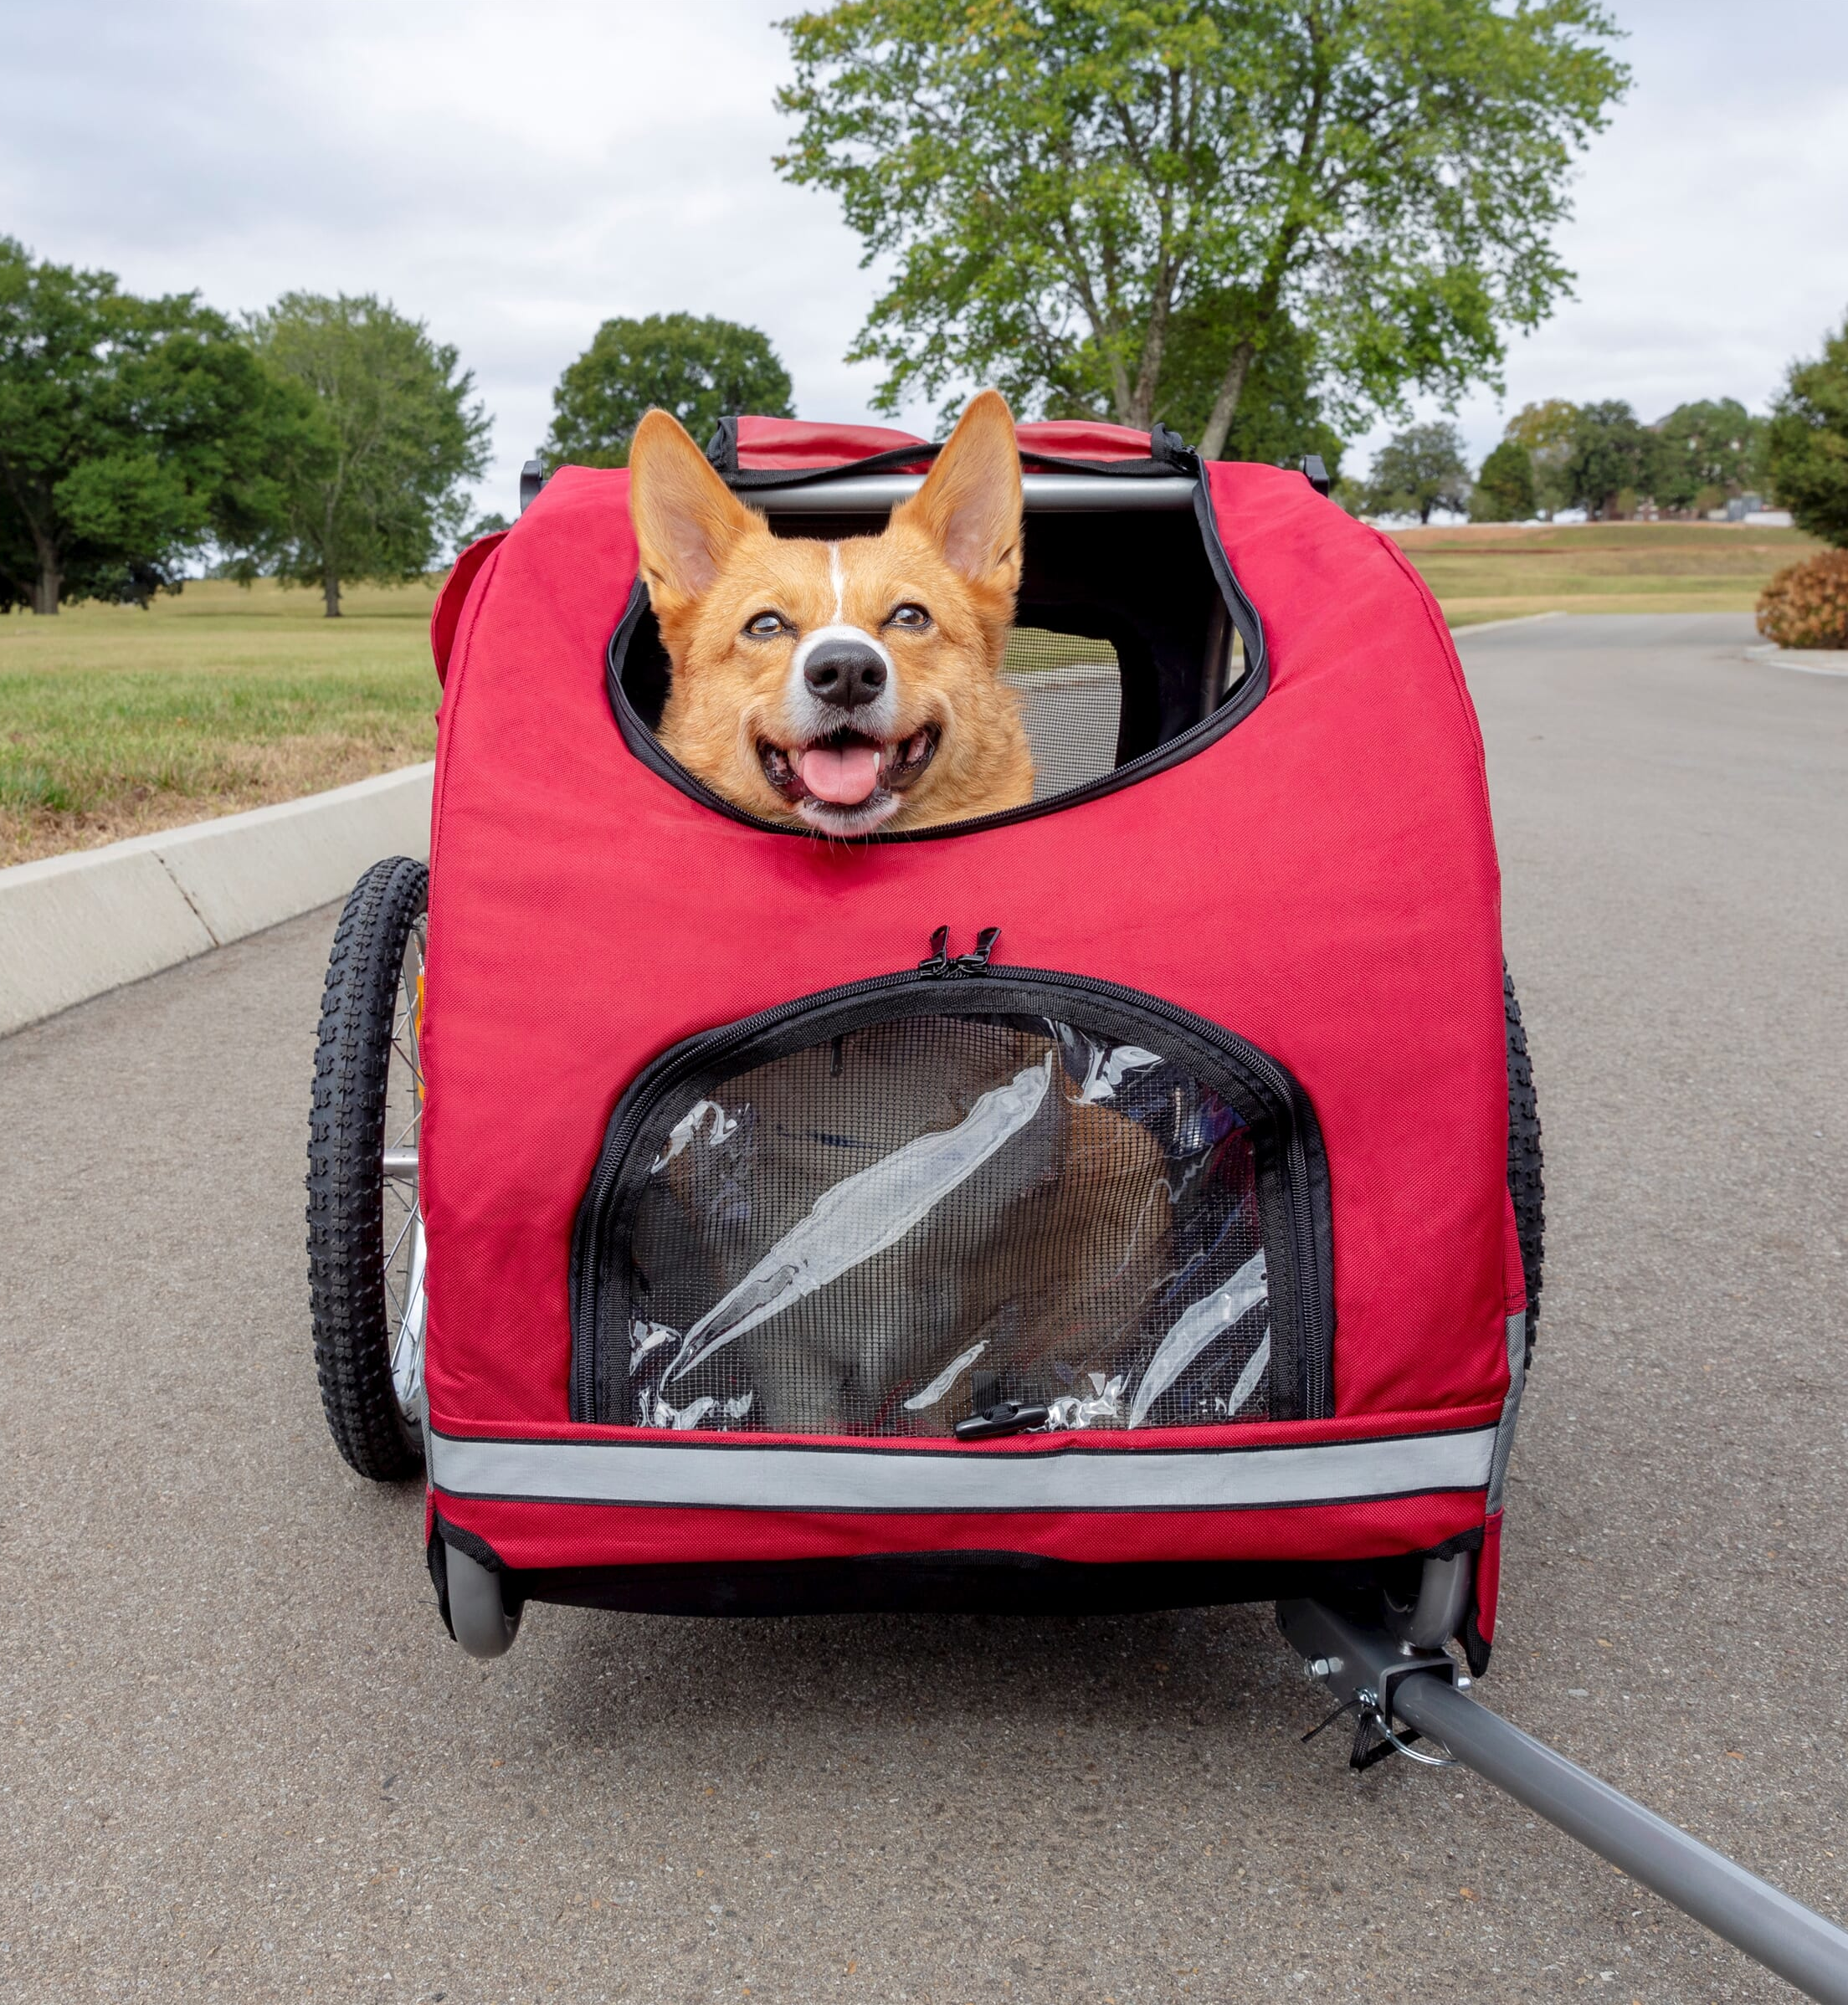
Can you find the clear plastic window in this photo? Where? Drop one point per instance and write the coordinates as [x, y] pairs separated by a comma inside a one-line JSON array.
[[901, 1228]]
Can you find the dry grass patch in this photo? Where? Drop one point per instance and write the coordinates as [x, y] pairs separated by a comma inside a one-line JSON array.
[[115, 722], [1501, 572]]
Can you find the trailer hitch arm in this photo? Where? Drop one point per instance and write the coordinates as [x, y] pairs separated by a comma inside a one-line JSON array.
[[1388, 1681]]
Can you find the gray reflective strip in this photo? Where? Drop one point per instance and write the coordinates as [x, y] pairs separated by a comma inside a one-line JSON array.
[[1511, 1408], [770, 1478]]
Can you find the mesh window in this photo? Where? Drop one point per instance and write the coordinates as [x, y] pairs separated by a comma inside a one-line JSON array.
[[1071, 703], [890, 1231]]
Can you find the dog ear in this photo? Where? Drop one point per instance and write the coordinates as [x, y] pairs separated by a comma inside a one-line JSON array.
[[686, 519], [970, 501]]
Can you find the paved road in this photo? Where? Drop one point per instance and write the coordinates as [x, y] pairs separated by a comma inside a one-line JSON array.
[[243, 1762]]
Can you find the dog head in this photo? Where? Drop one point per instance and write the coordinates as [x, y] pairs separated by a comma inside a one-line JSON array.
[[841, 687]]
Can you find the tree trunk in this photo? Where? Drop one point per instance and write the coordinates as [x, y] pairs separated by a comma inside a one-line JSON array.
[[1226, 405], [49, 589], [330, 590], [1141, 411]]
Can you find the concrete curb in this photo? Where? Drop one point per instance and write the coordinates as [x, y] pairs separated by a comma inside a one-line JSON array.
[[1807, 661], [73, 926], [1514, 619]]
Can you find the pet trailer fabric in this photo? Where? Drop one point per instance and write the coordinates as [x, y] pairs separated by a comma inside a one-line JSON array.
[[1118, 1183]]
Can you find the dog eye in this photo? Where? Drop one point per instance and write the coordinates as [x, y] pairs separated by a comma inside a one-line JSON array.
[[767, 626], [909, 616]]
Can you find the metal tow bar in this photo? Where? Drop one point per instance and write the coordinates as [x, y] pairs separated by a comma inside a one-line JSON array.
[[1391, 1687]]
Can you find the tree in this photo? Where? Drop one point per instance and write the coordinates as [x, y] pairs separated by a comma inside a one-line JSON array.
[[1279, 417], [700, 370], [134, 434], [1614, 458], [1057, 182], [1504, 488], [1546, 431], [1417, 470], [1708, 452], [1805, 452], [379, 492], [492, 523]]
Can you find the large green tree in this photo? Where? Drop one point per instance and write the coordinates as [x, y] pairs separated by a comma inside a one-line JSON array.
[[397, 433], [700, 369], [1417, 470], [1708, 452], [1504, 488], [1805, 452], [134, 435], [1056, 185], [1614, 459]]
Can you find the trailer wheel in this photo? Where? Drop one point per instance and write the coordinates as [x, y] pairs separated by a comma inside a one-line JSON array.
[[1526, 1184], [365, 1229]]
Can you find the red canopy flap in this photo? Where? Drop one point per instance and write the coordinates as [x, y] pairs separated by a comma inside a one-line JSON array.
[[1083, 439], [793, 444], [446, 615]]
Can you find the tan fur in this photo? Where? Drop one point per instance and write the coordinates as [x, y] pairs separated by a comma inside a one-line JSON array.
[[711, 565], [1053, 1247]]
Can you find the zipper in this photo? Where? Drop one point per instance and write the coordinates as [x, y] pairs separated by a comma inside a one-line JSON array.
[[1305, 1169]]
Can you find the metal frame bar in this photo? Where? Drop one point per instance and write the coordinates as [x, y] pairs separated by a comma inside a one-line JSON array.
[[1384, 1679], [1045, 494]]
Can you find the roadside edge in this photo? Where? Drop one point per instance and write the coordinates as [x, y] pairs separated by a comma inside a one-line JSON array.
[[76, 926]]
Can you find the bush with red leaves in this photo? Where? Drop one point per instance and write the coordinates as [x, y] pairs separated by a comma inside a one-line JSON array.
[[1806, 605]]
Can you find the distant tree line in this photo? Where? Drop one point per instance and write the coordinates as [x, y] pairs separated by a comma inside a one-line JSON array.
[[1601, 458], [329, 439]]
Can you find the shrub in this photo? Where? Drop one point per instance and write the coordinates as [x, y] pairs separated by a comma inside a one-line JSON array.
[[1806, 605]]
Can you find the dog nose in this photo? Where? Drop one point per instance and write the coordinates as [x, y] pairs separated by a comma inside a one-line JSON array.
[[844, 672]]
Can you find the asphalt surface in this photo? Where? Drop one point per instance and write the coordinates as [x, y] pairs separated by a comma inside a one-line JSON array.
[[243, 1761]]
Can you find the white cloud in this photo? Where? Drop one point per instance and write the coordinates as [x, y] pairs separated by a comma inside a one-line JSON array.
[[514, 174]]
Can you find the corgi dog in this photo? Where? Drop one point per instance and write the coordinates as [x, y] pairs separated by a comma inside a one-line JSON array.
[[845, 687]]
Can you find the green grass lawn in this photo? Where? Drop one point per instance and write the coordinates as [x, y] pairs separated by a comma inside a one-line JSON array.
[[1498, 573], [114, 721]]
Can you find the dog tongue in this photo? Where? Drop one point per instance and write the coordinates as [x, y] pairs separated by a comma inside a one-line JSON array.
[[846, 776]]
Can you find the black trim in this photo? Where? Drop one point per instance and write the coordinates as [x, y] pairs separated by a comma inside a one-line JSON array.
[[1234, 708], [1291, 1163], [955, 1583]]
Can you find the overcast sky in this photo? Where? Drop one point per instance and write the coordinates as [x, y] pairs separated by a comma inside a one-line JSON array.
[[514, 175]]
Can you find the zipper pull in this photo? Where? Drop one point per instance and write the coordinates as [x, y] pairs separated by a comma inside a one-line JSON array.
[[977, 962], [942, 962], [1006, 1416]]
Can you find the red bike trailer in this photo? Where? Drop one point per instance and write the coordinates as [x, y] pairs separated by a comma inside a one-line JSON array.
[[714, 1216]]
